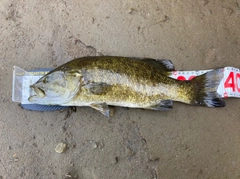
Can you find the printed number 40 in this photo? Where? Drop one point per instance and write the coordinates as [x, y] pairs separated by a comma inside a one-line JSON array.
[[231, 82]]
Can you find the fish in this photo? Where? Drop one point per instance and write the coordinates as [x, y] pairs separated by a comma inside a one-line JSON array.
[[103, 81]]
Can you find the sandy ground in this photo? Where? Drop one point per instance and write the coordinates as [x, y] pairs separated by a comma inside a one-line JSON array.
[[186, 142]]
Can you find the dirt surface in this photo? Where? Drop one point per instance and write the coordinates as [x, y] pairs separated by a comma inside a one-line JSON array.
[[186, 142]]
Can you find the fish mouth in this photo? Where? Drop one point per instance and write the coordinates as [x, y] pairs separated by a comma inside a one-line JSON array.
[[37, 92]]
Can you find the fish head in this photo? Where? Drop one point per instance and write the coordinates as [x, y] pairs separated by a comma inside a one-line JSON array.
[[55, 88]]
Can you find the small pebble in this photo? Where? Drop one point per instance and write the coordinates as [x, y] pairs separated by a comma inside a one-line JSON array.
[[129, 152], [94, 145], [61, 147], [114, 160]]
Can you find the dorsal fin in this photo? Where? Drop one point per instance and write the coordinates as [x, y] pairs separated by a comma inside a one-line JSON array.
[[163, 64], [167, 63]]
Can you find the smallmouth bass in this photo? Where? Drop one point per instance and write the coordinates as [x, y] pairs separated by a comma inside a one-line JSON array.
[[121, 81]]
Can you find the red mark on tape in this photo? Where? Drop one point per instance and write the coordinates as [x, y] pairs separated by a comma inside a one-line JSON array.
[[191, 77], [182, 78], [225, 95]]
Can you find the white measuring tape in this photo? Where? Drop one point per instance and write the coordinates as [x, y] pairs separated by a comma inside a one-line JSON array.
[[228, 87]]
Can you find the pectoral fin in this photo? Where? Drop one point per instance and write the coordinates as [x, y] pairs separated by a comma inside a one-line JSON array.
[[97, 88], [162, 106], [101, 107]]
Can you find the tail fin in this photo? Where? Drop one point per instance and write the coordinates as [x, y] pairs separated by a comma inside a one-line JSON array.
[[205, 89]]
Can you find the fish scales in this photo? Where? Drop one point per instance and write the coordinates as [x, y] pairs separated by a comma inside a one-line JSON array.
[[133, 83]]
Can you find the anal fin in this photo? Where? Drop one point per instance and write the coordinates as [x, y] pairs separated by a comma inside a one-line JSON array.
[[164, 105]]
